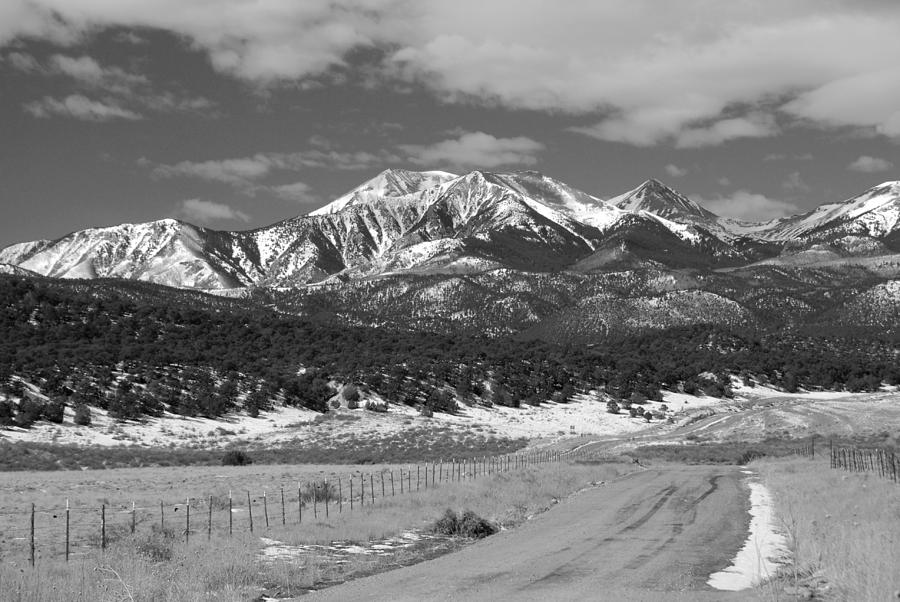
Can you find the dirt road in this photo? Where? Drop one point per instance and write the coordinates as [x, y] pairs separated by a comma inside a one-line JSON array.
[[653, 535]]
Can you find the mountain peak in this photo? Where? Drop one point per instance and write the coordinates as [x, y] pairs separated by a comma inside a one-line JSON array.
[[389, 183], [655, 197]]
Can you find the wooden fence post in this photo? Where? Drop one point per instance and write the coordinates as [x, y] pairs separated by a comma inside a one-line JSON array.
[[401, 481], [325, 493], [340, 497], [162, 517], [372, 487], [31, 537], [133, 516], [102, 526], [392, 482], [67, 529], [230, 514], [283, 516], [351, 492], [187, 521], [250, 511], [315, 500], [299, 503], [266, 508], [362, 490], [382, 484], [209, 521]]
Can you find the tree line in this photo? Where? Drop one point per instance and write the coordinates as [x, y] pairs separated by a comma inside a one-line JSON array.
[[92, 346]]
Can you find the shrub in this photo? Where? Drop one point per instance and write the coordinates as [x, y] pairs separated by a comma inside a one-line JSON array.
[[351, 393], [467, 525], [30, 411], [157, 546], [7, 412], [612, 407], [648, 416], [82, 415], [236, 457], [352, 404], [54, 411]]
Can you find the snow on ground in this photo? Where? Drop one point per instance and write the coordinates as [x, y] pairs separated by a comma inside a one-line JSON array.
[[585, 415], [169, 429], [763, 550]]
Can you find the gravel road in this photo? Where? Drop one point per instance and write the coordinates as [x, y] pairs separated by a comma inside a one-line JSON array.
[[653, 535]]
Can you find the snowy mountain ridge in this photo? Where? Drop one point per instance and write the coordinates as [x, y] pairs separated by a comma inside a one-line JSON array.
[[404, 221]]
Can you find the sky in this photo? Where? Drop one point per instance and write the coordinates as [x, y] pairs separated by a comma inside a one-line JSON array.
[[235, 114]]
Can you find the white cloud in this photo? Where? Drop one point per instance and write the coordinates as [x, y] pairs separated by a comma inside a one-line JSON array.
[[475, 149], [794, 182], [788, 157], [297, 191], [749, 206], [867, 164], [238, 172], [22, 62], [755, 125], [130, 92], [244, 172], [656, 71], [80, 107], [208, 211], [675, 171]]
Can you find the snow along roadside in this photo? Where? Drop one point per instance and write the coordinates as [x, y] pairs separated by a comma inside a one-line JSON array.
[[763, 550]]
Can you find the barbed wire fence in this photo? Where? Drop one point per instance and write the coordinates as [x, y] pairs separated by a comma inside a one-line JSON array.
[[72, 531]]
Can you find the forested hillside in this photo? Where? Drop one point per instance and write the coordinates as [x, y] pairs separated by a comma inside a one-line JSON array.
[[98, 344]]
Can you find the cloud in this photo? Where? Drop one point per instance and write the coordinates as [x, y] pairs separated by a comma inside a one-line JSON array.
[[131, 92], [794, 182], [867, 164], [675, 171], [80, 107], [22, 62], [244, 173], [870, 99], [298, 191], [208, 211], [755, 125], [788, 157], [475, 149], [237, 172], [749, 206], [87, 71], [641, 71]]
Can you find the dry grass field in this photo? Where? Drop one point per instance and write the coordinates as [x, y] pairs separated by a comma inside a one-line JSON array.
[[843, 530], [154, 565]]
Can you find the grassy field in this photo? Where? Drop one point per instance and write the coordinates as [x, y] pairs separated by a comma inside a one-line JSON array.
[[843, 530], [154, 565]]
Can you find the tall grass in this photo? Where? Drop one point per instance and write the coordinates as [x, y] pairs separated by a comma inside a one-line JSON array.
[[843, 529], [155, 565]]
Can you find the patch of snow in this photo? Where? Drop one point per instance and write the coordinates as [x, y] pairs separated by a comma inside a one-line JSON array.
[[764, 548]]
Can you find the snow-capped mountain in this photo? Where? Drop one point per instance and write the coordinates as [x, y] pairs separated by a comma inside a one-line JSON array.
[[437, 222], [874, 213], [655, 197], [390, 183]]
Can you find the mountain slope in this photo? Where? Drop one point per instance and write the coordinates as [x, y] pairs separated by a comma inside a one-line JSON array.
[[436, 222]]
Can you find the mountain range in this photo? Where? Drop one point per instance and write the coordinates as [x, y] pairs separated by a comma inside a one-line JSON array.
[[515, 252], [437, 222]]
